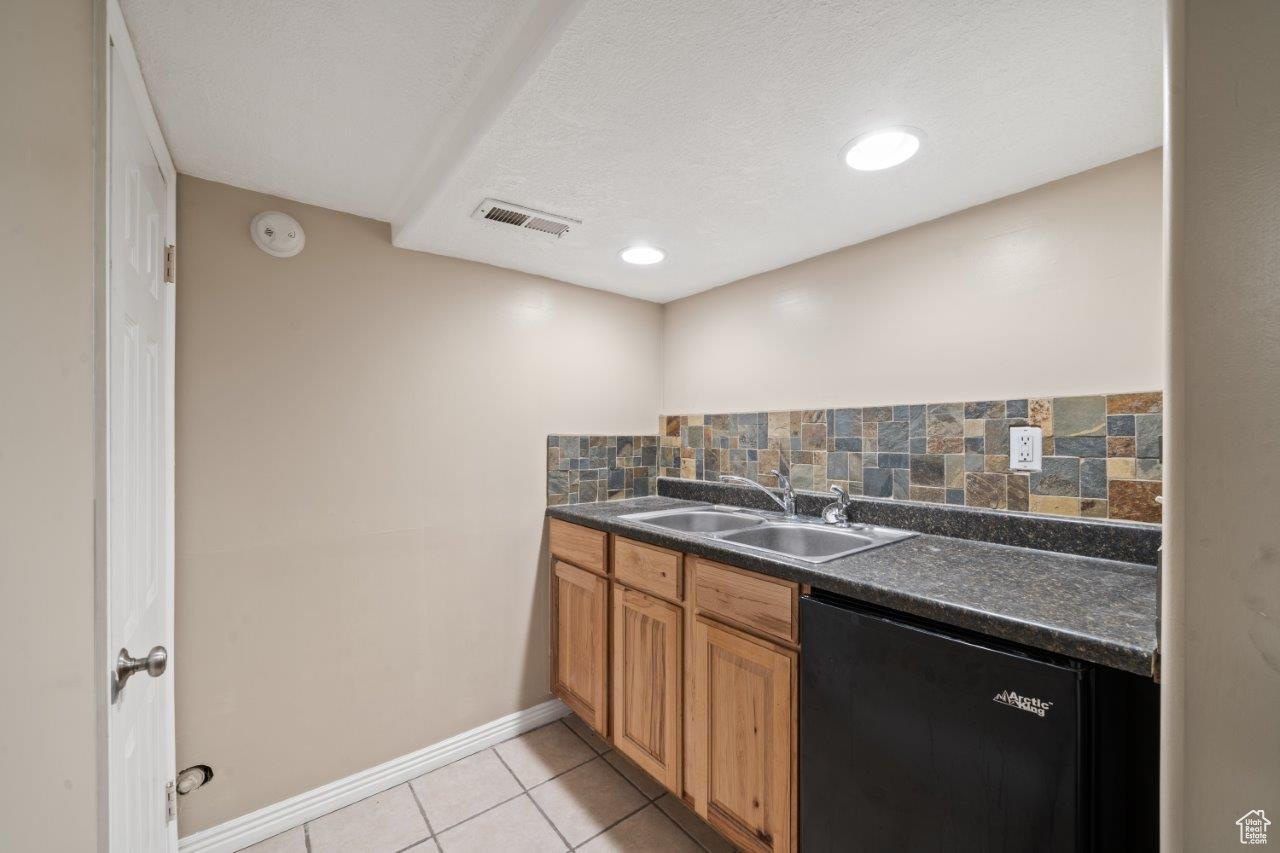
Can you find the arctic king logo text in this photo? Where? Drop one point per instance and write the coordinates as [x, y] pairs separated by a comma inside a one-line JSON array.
[[1023, 703]]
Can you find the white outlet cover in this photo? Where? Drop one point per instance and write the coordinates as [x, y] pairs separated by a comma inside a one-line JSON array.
[[1025, 448]]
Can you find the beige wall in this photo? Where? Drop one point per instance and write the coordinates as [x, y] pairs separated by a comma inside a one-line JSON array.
[[333, 406], [1056, 290], [361, 435], [1222, 691], [48, 728]]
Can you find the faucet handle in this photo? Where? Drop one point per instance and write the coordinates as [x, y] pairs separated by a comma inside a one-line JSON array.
[[834, 513], [783, 480]]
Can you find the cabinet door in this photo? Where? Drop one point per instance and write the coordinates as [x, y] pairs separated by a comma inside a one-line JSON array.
[[580, 642], [741, 749], [647, 673]]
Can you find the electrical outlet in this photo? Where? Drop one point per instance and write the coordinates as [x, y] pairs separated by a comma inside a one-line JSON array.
[[1025, 447]]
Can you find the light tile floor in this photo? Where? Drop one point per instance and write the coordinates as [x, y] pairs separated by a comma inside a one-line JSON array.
[[556, 788]]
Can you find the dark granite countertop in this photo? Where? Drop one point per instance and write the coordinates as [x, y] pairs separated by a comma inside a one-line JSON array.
[[1095, 610]]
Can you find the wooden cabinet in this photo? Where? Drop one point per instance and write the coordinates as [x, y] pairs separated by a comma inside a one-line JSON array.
[[647, 567], [647, 684], [582, 546], [758, 603], [740, 748], [580, 642], [688, 667]]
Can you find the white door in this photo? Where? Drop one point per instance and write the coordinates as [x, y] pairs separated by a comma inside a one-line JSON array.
[[140, 728]]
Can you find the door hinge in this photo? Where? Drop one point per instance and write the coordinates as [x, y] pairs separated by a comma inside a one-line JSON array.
[[170, 801], [170, 262]]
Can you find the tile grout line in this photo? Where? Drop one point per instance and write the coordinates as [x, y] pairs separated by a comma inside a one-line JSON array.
[[583, 739], [347, 806], [479, 813], [593, 757], [627, 816], [680, 827], [545, 782], [549, 821], [629, 782], [523, 789], [613, 751], [503, 762], [649, 801], [668, 817], [431, 833], [610, 751], [306, 829]]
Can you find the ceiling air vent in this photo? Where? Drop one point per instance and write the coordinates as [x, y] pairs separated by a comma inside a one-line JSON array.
[[524, 217]]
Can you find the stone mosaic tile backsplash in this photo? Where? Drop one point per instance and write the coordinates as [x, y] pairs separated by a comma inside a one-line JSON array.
[[589, 468], [1102, 454]]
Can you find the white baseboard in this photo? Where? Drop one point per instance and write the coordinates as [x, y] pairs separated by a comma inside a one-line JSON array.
[[251, 828]]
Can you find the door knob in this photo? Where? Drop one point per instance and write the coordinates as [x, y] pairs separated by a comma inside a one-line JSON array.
[[154, 664]]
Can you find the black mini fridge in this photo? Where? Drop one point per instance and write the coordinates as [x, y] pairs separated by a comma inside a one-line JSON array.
[[916, 737]]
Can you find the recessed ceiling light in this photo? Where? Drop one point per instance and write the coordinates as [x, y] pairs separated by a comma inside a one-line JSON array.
[[642, 255], [882, 149]]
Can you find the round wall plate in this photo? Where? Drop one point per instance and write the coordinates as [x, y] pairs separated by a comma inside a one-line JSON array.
[[277, 234]]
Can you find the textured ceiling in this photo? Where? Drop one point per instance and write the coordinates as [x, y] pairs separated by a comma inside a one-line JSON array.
[[710, 129], [332, 103]]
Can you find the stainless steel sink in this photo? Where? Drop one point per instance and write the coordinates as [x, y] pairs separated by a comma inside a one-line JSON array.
[[771, 532], [698, 520], [806, 541]]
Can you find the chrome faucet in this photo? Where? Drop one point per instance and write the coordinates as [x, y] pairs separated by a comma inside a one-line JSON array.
[[788, 500], [834, 512]]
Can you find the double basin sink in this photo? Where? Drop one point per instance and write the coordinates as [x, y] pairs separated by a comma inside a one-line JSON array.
[[770, 532]]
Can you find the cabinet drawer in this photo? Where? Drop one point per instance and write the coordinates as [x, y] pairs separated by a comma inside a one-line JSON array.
[[760, 603], [582, 546], [647, 568]]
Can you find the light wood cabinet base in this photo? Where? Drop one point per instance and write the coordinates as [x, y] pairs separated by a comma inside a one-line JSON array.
[[647, 688], [689, 669], [740, 749], [580, 645]]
